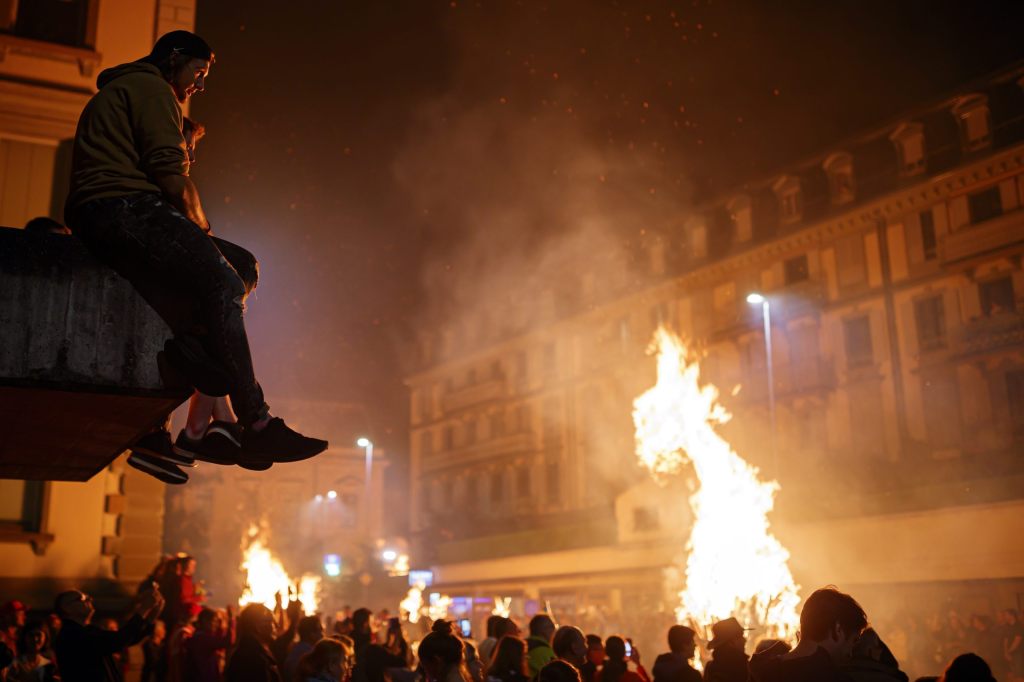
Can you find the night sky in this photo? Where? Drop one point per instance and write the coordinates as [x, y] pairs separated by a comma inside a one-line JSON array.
[[382, 159]]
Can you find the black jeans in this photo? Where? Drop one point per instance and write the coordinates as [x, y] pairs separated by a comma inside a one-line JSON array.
[[196, 283]]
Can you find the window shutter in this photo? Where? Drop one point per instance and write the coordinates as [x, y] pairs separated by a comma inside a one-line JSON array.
[[972, 301], [958, 213], [915, 247], [1008, 195]]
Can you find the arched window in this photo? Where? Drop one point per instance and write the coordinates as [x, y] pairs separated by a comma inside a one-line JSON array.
[[787, 191], [741, 216], [839, 168]]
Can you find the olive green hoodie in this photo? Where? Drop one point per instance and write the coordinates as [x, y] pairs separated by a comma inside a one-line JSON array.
[[128, 134]]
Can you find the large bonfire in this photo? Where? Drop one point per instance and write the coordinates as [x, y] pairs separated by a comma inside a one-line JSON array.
[[265, 577], [735, 566]]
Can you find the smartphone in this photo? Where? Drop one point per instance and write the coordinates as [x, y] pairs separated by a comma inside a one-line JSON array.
[[629, 649], [465, 627]]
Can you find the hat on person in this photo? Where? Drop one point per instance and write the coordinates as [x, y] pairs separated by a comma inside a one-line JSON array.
[[725, 631]]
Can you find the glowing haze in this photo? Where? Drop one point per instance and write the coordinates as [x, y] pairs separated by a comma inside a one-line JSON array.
[[735, 566]]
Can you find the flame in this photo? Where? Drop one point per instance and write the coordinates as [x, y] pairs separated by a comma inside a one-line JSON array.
[[265, 577], [502, 607], [438, 609], [735, 566], [413, 602]]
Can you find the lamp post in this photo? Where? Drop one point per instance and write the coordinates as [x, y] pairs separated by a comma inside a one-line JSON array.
[[367, 445], [758, 299]]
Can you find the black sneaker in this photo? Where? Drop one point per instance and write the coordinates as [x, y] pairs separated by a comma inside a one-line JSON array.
[[188, 357], [158, 468], [278, 443], [221, 444], [158, 444]]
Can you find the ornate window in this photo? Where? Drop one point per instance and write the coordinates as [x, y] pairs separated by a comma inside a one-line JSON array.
[[975, 122], [839, 168], [909, 141], [741, 216], [787, 191]]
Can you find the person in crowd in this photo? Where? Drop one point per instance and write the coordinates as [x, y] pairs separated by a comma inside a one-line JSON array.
[[12, 619], [154, 654], [251, 660], [205, 649], [674, 666], [595, 658], [872, 661], [288, 626], [984, 640], [177, 642], [311, 631], [830, 623], [30, 665], [570, 645], [362, 635], [393, 657], [559, 671], [967, 668], [474, 665], [85, 652], [123, 657], [383, 616], [133, 204], [1013, 643], [616, 663], [486, 646], [328, 661], [442, 655], [728, 652], [508, 662], [45, 225], [538, 644]]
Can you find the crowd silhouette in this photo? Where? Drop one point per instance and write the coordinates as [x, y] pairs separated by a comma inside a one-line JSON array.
[[181, 639]]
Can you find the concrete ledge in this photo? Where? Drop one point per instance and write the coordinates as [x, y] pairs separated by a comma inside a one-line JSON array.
[[78, 374]]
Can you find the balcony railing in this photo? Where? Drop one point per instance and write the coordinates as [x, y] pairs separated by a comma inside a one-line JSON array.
[[986, 334], [474, 394]]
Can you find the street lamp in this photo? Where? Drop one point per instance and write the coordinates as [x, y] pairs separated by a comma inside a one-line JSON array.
[[759, 299], [367, 445]]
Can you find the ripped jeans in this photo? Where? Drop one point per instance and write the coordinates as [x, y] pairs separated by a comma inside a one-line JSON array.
[[196, 283]]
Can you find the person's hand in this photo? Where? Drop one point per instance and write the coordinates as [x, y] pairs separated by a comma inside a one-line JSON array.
[[635, 656], [230, 609], [277, 600], [294, 611], [150, 602]]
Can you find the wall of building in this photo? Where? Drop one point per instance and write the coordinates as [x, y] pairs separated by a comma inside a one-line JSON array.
[[898, 357], [104, 533]]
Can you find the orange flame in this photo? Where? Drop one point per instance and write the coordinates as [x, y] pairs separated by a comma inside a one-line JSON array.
[[735, 566]]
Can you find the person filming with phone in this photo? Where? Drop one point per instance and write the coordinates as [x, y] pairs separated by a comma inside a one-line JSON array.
[[619, 654]]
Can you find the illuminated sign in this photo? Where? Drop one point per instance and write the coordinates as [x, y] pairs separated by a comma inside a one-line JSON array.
[[332, 565], [425, 578]]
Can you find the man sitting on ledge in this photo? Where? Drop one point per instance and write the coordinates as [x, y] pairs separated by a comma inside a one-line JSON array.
[[134, 206]]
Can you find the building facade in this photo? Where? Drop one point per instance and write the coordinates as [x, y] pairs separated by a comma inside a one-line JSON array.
[[892, 268], [105, 534]]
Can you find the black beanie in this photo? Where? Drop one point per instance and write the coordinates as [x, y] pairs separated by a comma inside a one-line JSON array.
[[183, 42]]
